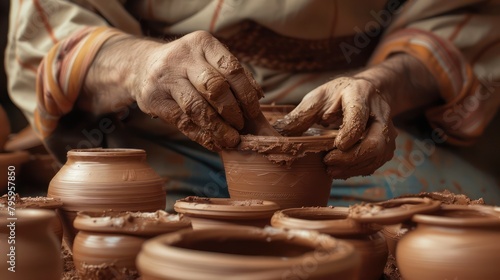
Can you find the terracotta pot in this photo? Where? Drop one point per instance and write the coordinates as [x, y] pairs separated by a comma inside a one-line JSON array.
[[39, 202], [106, 179], [15, 159], [4, 128], [114, 239], [219, 212], [275, 112], [366, 238], [36, 253], [287, 170], [241, 252], [456, 242]]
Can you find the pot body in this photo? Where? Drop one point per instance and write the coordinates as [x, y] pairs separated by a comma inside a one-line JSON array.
[[247, 253], [251, 175], [105, 179], [35, 252], [457, 246]]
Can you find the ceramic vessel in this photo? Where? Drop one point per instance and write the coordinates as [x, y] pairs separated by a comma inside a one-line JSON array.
[[366, 238], [106, 179], [287, 170], [219, 212], [35, 252], [455, 242], [39, 202], [115, 238], [241, 252]]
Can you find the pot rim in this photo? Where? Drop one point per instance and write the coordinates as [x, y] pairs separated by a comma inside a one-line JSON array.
[[225, 208], [26, 215], [343, 225], [132, 223], [106, 152], [162, 248], [483, 216], [30, 202]]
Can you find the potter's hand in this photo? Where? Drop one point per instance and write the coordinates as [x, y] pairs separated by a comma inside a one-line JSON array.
[[364, 105], [366, 138], [194, 83]]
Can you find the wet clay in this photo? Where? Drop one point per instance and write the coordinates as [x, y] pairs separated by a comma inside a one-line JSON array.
[[447, 197], [246, 253], [455, 242], [220, 212]]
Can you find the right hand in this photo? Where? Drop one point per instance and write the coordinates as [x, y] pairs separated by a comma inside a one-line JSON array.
[[196, 84]]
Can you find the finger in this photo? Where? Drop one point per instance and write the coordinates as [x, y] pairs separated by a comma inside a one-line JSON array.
[[301, 118], [356, 113], [214, 88], [170, 112], [199, 111], [243, 85]]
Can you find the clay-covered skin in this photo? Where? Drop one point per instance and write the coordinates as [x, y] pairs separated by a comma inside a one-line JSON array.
[[246, 253], [456, 242]]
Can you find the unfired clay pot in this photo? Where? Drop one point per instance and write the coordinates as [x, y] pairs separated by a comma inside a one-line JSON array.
[[35, 251], [366, 238], [219, 212], [455, 242], [241, 252], [115, 238], [39, 202], [287, 170], [106, 179]]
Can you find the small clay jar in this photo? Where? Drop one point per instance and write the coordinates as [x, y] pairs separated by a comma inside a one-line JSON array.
[[219, 212], [241, 252], [29, 246], [366, 238], [287, 170], [39, 202], [113, 239], [105, 179], [455, 242]]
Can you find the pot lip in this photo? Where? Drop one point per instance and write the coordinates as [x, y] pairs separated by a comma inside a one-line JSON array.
[[29, 202], [160, 246], [26, 215], [133, 223], [311, 135], [106, 152], [392, 211], [225, 208], [484, 216], [343, 225]]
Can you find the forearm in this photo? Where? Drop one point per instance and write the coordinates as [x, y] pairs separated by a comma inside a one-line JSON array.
[[115, 74], [405, 81]]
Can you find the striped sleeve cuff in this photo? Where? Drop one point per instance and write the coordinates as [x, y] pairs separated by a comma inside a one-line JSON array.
[[458, 121], [61, 75]]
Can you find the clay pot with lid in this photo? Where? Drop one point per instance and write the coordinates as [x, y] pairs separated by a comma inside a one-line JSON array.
[[287, 170], [106, 179], [366, 238], [35, 252], [217, 212], [39, 202], [111, 240], [454, 242], [241, 252]]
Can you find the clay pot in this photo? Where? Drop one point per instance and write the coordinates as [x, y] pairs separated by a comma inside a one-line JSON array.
[[106, 179], [114, 239], [15, 160], [241, 252], [219, 212], [366, 238], [4, 128], [39, 202], [287, 170], [455, 242], [275, 112], [36, 253]]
